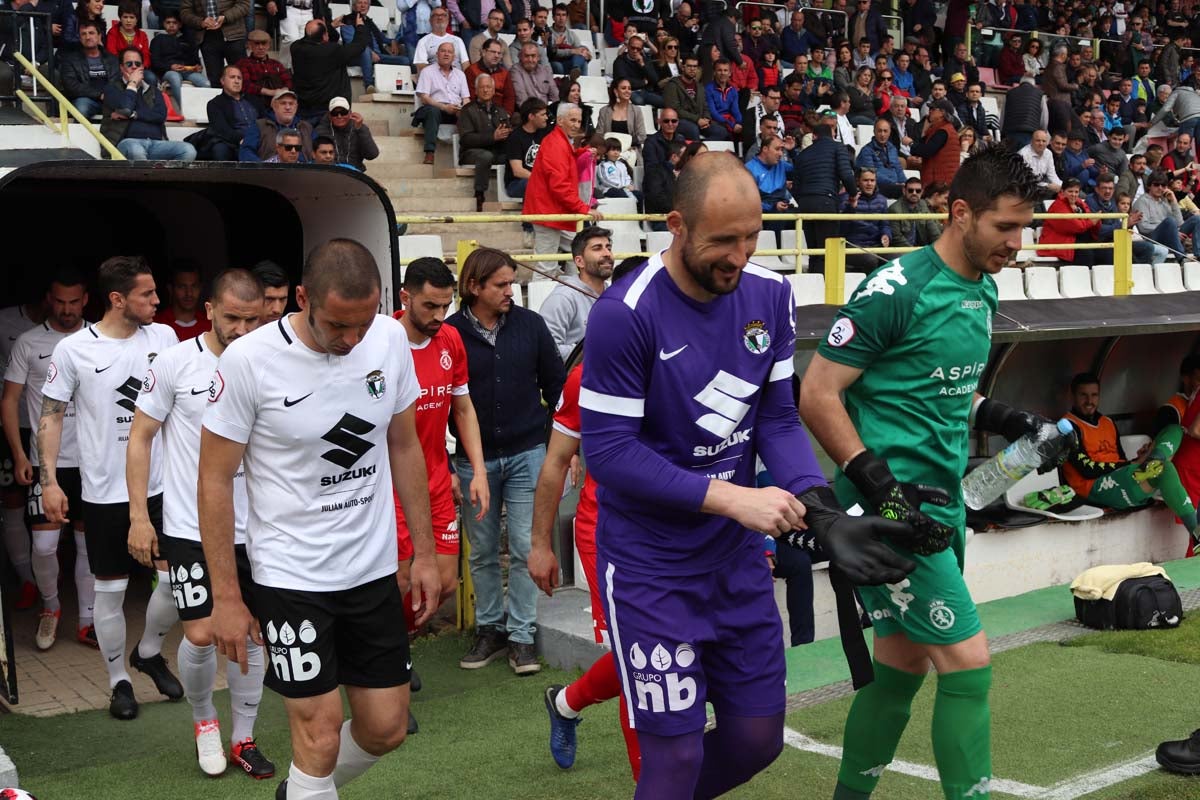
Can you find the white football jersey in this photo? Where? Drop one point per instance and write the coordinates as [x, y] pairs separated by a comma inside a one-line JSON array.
[[27, 365], [14, 322], [316, 460], [175, 393], [104, 376]]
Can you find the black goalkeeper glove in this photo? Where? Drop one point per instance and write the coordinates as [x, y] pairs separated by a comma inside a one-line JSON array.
[[851, 543], [902, 502], [996, 417]]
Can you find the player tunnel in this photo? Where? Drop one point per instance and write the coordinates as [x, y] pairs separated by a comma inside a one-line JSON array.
[[78, 213]]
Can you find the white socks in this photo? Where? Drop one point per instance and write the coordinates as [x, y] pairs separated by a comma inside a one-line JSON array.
[[44, 560], [301, 786], [16, 542], [110, 627], [560, 702], [85, 581], [245, 692], [197, 672], [161, 615], [352, 760]]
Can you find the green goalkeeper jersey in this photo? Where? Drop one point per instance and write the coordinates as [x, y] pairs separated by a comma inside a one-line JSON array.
[[921, 334]]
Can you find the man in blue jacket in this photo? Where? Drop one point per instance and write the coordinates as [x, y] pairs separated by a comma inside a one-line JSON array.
[[881, 157], [134, 113], [1078, 163], [770, 171], [822, 167], [868, 232], [722, 99]]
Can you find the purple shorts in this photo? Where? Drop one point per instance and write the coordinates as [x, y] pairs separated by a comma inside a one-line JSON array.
[[683, 640]]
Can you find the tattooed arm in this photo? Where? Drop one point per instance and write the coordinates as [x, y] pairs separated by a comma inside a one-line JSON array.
[[49, 438]]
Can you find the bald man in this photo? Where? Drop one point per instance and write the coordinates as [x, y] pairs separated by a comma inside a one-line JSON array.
[[673, 416]]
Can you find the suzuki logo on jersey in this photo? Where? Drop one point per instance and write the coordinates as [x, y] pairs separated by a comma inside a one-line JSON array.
[[723, 395], [347, 435], [737, 437], [129, 392], [884, 281], [291, 663], [186, 593], [656, 689]]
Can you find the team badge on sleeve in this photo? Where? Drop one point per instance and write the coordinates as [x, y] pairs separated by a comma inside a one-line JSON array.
[[376, 385], [841, 333], [51, 373], [216, 387], [756, 338], [148, 382]]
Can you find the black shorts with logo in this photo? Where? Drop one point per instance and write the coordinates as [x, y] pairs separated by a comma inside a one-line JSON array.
[[191, 585], [316, 641], [8, 475], [107, 535], [70, 482]]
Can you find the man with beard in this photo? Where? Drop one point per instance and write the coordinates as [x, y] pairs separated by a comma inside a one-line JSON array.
[[689, 383], [901, 442], [566, 309]]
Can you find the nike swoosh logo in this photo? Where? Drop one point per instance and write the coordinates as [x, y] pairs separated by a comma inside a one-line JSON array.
[[202, 391], [98, 370], [408, 665], [114, 658], [289, 403], [663, 355], [40, 356]]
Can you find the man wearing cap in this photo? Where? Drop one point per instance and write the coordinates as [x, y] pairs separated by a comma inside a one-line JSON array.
[[1078, 163], [938, 149], [262, 76], [281, 116], [442, 91], [352, 139], [958, 90]]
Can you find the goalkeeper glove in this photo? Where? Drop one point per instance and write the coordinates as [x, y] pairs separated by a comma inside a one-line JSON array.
[[893, 500]]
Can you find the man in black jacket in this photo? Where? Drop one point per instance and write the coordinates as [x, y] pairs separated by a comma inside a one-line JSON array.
[[230, 117], [85, 72], [819, 170], [134, 115], [319, 65], [633, 67], [658, 186]]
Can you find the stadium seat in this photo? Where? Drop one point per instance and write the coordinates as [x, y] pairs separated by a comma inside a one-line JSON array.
[[391, 79], [714, 146], [787, 241], [593, 90], [853, 279], [194, 105], [501, 192], [1075, 280], [538, 292], [1041, 283], [1014, 498], [808, 289], [648, 119], [517, 298], [1143, 280], [767, 241], [418, 246], [1029, 238], [626, 242], [1191, 275], [912, 173], [610, 57], [627, 229], [1168, 277], [657, 241], [864, 133], [1009, 284], [1102, 279]]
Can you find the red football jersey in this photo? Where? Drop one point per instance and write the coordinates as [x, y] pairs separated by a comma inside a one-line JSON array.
[[198, 326], [566, 421]]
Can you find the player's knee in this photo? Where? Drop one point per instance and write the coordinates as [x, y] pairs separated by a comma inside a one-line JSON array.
[[45, 542], [318, 742], [198, 635], [382, 737]]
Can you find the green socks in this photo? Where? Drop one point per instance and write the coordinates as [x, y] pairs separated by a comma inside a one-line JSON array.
[[1166, 445], [873, 728], [962, 740]]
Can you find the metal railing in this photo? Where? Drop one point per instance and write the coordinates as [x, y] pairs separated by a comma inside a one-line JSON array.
[[25, 36], [834, 251], [67, 107]]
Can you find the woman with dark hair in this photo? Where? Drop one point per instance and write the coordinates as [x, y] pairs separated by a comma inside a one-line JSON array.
[[843, 73], [91, 10], [620, 115], [769, 72], [574, 93], [1032, 59]]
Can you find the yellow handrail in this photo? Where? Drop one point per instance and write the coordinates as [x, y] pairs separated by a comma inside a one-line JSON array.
[[70, 108], [38, 113]]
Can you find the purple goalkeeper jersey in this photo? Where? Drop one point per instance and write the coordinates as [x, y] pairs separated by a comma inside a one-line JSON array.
[[677, 392]]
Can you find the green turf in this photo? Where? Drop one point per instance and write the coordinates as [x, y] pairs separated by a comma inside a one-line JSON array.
[[1154, 786], [1181, 644]]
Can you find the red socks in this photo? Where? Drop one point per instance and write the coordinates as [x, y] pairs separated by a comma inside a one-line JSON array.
[[598, 684]]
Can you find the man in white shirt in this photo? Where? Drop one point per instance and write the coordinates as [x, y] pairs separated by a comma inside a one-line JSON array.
[[442, 92], [319, 410], [1040, 159], [427, 47]]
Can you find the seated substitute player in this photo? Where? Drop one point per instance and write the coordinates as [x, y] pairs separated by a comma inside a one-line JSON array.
[[1097, 471], [25, 375], [319, 410], [174, 395], [691, 380], [1173, 411], [908, 351], [101, 368]]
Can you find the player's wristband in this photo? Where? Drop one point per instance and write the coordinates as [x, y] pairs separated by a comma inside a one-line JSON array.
[[871, 474], [820, 510], [991, 416]]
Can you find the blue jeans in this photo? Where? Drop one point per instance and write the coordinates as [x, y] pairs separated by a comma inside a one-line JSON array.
[[429, 118], [175, 81], [1189, 127], [517, 187], [368, 66], [511, 480], [645, 97], [1167, 233], [1148, 252], [87, 106], [564, 66], [156, 150]]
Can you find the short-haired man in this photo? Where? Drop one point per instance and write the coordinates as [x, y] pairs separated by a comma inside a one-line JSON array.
[[135, 115], [177, 388], [319, 63], [325, 592], [1040, 160], [23, 381], [441, 92], [324, 151], [566, 308], [1133, 181], [881, 155], [1105, 200], [1162, 220], [912, 232], [767, 107], [684, 94], [427, 48], [281, 115], [288, 148], [231, 117], [867, 233], [275, 289], [483, 129], [97, 367], [515, 374], [489, 64], [722, 98], [495, 24], [183, 314], [1111, 153], [567, 52], [262, 76], [531, 78], [522, 146], [525, 35]]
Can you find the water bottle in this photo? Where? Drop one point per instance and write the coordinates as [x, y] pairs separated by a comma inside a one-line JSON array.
[[993, 478]]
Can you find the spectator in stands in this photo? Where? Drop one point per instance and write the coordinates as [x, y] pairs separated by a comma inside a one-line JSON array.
[[881, 157], [1126, 484], [324, 151], [1162, 221], [126, 31], [685, 27], [1133, 180], [177, 58], [972, 114], [442, 92], [658, 185], [134, 115], [904, 129], [525, 36], [796, 39], [939, 149], [722, 100], [92, 10], [86, 72], [770, 171], [719, 33], [620, 115], [288, 148], [219, 31], [843, 131], [554, 186], [483, 130], [566, 49], [913, 232], [574, 95], [282, 116], [768, 106], [350, 134], [686, 97], [967, 143], [291, 17], [633, 67], [667, 65], [379, 50], [1094, 126], [863, 104], [1112, 113], [1058, 88], [860, 234], [1012, 66], [532, 78], [522, 146], [743, 74], [1137, 42], [867, 22], [1110, 154], [185, 312], [495, 24], [1105, 200], [426, 51], [958, 90], [319, 64], [767, 128], [1069, 231], [1078, 163], [654, 150], [230, 117], [1184, 105], [566, 309], [1181, 162], [823, 166], [794, 104], [1039, 158], [262, 76], [491, 53], [761, 39]]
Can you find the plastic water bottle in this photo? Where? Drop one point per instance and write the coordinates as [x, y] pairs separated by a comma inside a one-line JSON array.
[[993, 478]]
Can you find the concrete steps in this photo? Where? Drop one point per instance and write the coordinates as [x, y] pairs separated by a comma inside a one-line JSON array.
[[504, 236], [429, 187]]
